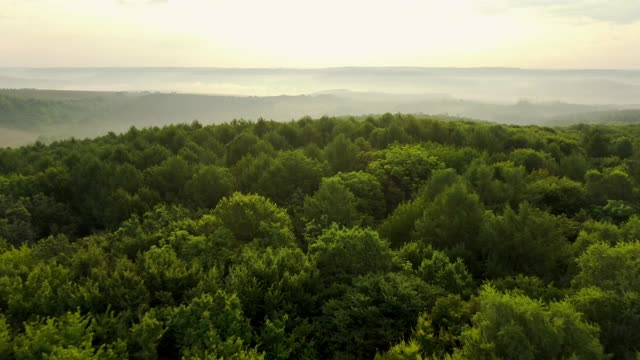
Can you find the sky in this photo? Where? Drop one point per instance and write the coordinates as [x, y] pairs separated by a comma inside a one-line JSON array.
[[564, 34]]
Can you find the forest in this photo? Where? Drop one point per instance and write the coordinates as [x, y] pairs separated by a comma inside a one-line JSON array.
[[383, 237], [29, 115]]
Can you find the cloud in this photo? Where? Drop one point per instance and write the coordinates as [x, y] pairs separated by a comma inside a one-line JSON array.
[[613, 11]]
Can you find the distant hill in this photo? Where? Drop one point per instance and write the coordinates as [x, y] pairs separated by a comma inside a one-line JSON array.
[[617, 117], [55, 114], [501, 85]]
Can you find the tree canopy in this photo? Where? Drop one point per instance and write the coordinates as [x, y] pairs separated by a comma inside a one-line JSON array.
[[388, 237]]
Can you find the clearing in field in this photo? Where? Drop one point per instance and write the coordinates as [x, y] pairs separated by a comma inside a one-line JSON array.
[[12, 138]]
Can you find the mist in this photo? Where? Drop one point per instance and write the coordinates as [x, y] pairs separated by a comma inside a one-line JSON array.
[[58, 103], [501, 85]]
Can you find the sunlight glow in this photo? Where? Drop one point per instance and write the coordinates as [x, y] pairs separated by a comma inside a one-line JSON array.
[[303, 33]]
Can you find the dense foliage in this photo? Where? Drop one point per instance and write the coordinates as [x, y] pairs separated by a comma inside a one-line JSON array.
[[389, 237]]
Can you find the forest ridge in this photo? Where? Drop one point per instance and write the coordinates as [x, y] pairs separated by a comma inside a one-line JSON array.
[[29, 115], [387, 237]]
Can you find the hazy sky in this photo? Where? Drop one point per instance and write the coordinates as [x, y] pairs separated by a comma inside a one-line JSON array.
[[321, 33]]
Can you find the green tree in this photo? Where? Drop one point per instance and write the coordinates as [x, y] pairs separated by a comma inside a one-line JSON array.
[[343, 253], [623, 148], [291, 174], [452, 222], [169, 178], [559, 195], [342, 154], [511, 326], [492, 192], [616, 314], [611, 184], [402, 170], [399, 226], [438, 331], [596, 142], [574, 166], [451, 276], [146, 335], [242, 145], [209, 185], [332, 203], [529, 241], [66, 337], [210, 325], [533, 160], [278, 289], [255, 219], [274, 280], [377, 311], [167, 277], [6, 348]]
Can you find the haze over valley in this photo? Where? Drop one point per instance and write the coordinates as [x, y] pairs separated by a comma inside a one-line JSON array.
[[93, 101], [501, 85]]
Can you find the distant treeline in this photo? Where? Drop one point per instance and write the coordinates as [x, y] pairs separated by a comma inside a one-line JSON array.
[[57, 115], [34, 113], [392, 237], [619, 117]]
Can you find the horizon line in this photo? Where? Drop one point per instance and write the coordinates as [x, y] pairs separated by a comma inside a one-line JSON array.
[[348, 67]]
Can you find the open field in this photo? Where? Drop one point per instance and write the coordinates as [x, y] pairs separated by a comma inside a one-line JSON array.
[[13, 138]]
